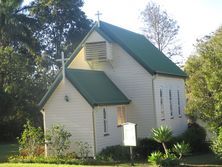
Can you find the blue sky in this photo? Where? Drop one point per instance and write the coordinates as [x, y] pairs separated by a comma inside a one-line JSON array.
[[196, 18]]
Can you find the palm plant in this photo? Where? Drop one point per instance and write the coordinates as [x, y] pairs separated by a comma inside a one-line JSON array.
[[162, 135], [181, 149]]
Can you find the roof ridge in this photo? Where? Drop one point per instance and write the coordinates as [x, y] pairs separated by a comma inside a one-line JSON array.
[[136, 33], [75, 69]]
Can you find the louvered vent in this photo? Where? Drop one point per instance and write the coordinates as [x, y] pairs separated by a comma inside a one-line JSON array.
[[96, 51]]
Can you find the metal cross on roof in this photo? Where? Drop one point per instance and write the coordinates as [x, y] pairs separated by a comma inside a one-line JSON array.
[[98, 14], [63, 64]]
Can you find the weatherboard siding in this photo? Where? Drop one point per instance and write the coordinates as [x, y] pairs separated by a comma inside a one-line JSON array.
[[114, 134], [79, 62], [95, 37], [75, 115], [177, 123], [134, 81]]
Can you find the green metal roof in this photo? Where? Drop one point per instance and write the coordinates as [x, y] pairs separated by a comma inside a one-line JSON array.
[[96, 87], [143, 51]]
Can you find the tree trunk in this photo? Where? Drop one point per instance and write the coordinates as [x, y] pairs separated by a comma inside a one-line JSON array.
[[165, 148]]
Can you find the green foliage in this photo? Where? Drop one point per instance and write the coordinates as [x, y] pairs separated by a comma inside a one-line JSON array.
[[114, 153], [56, 160], [162, 135], [84, 149], [16, 28], [204, 85], [169, 160], [63, 25], [195, 136], [31, 140], [25, 32], [20, 89], [159, 159], [155, 158], [217, 143], [58, 140], [181, 149], [146, 146]]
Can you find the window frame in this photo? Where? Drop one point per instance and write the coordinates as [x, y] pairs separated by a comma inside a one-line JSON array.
[[179, 103], [161, 104], [171, 103], [105, 122]]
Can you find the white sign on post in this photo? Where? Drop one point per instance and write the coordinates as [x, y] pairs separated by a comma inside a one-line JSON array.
[[129, 134]]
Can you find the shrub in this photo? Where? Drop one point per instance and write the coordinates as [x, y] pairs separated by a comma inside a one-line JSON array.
[[56, 160], [31, 141], [146, 146], [114, 153], [181, 149], [155, 158], [84, 149], [169, 160], [162, 135], [195, 135], [160, 159], [217, 143], [58, 140]]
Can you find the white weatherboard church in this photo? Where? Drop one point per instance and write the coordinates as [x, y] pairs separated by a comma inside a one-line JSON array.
[[115, 76]]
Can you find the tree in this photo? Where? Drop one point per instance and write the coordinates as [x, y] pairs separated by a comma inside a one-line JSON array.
[[162, 135], [161, 30], [16, 28], [217, 144], [25, 31], [62, 25], [204, 85], [21, 87]]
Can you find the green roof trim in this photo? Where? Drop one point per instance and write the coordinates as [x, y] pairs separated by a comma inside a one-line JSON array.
[[50, 90], [58, 77], [96, 87], [143, 51]]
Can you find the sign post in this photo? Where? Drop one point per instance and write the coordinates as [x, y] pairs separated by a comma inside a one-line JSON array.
[[129, 137]]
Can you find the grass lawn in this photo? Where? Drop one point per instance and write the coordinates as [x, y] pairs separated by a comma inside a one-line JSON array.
[[7, 150], [35, 165], [202, 160], [194, 160], [208, 159], [51, 165]]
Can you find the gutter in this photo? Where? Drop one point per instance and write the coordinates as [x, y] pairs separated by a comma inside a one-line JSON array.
[[44, 129], [94, 132]]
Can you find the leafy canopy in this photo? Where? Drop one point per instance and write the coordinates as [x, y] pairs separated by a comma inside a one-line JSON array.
[[204, 85], [62, 25], [25, 32]]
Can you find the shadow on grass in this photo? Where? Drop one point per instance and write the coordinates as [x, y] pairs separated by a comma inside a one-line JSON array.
[[208, 159], [7, 150]]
